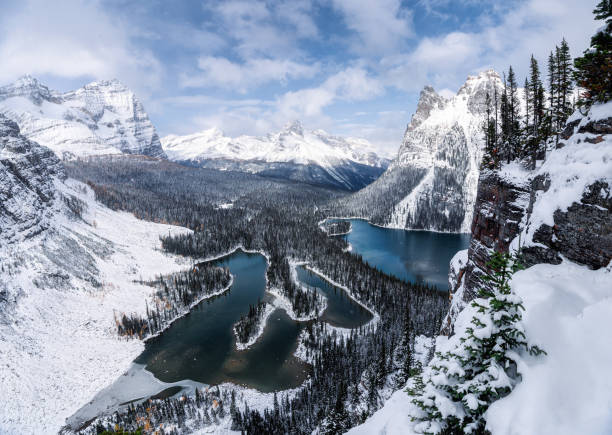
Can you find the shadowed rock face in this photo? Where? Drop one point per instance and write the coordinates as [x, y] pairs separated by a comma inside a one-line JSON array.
[[499, 209], [26, 183]]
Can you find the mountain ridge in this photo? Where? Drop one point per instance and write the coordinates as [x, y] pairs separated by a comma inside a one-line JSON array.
[[102, 117], [312, 156]]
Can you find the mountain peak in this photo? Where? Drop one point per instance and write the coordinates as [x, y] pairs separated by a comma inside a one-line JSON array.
[[294, 127], [100, 118], [27, 80], [29, 87], [429, 100], [111, 84], [475, 89]]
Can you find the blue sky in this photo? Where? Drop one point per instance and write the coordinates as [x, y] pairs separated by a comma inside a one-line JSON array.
[[351, 67]]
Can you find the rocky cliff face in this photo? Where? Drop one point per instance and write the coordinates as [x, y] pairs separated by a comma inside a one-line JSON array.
[[562, 210], [432, 182], [102, 117], [27, 191]]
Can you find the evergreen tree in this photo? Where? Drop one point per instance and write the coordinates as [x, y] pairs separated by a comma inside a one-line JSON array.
[[461, 383], [337, 421], [593, 70], [552, 81], [565, 82], [509, 114], [534, 114], [528, 101], [489, 158], [535, 85], [405, 353], [513, 113]]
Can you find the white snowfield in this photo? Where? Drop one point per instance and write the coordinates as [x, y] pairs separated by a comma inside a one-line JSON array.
[[568, 313], [58, 340], [291, 145], [102, 117]]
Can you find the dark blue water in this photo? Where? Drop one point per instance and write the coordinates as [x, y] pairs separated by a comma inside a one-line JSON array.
[[414, 256], [201, 346], [341, 310]]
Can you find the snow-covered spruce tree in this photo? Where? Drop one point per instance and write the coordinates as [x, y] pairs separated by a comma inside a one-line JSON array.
[[480, 366], [593, 70]]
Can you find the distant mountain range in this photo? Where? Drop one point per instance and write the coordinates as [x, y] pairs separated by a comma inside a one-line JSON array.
[[431, 184], [102, 117], [315, 157], [105, 117]]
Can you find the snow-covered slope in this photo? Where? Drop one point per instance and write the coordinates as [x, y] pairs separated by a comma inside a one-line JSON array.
[[432, 182], [67, 265], [102, 117], [568, 306], [568, 310], [293, 153]]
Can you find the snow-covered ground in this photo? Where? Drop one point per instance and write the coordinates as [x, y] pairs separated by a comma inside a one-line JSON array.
[[58, 341], [568, 309], [261, 326], [568, 312]]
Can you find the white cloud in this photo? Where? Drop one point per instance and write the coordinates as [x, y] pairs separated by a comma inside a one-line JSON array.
[[72, 39], [351, 84], [533, 26], [265, 29], [298, 14], [382, 26], [383, 129], [221, 72], [252, 116]]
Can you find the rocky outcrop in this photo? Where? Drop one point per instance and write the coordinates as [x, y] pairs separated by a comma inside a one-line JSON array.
[[102, 117], [582, 234], [498, 212], [560, 211], [437, 166], [429, 100], [27, 190]]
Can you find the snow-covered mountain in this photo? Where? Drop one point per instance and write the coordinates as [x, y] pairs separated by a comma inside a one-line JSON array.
[[102, 117], [67, 264], [315, 157], [431, 184]]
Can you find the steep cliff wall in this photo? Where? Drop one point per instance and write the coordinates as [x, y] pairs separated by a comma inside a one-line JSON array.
[[561, 210], [26, 184]]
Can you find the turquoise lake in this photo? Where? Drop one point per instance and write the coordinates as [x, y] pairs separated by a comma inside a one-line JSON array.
[[414, 256]]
